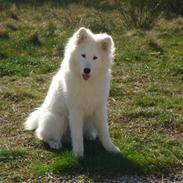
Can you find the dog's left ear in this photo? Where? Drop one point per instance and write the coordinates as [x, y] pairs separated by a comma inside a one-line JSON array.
[[81, 35], [106, 43]]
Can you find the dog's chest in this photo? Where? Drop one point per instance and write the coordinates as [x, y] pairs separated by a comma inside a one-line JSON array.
[[87, 97]]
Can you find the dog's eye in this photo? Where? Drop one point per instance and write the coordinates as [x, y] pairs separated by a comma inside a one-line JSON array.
[[83, 55], [94, 58]]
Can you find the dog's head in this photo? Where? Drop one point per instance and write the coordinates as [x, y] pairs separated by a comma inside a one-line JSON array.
[[90, 54]]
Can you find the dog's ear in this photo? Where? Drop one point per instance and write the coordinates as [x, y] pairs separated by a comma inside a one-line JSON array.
[[81, 35], [106, 43]]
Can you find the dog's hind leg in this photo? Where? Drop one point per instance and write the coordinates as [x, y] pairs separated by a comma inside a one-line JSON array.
[[51, 128]]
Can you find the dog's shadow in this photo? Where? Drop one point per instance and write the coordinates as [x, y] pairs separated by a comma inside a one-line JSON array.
[[95, 161]]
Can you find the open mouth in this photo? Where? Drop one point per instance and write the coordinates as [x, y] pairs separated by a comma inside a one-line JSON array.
[[86, 76]]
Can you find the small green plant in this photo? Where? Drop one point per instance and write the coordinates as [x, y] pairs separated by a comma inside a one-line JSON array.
[[11, 154], [13, 12], [35, 39], [3, 33], [51, 29]]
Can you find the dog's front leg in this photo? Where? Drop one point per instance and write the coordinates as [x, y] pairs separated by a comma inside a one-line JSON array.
[[101, 124], [76, 127]]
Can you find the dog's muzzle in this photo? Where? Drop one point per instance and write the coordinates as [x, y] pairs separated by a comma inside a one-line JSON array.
[[86, 74]]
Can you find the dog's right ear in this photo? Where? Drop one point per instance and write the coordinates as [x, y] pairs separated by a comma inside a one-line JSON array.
[[81, 35]]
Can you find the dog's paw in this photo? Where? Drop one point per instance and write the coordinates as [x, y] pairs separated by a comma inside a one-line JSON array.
[[113, 149], [91, 136], [78, 151], [54, 144]]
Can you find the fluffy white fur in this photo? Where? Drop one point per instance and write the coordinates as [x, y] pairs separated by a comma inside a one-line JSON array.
[[74, 102]]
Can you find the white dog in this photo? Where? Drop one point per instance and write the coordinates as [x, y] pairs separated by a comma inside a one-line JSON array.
[[77, 97]]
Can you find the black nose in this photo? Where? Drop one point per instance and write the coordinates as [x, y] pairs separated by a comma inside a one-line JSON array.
[[87, 70]]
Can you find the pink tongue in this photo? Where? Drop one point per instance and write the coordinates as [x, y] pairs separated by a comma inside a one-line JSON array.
[[86, 76]]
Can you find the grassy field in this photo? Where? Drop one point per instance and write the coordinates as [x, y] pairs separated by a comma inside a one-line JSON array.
[[145, 103]]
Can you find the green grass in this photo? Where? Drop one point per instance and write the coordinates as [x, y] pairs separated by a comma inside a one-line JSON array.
[[9, 155], [145, 103], [94, 161]]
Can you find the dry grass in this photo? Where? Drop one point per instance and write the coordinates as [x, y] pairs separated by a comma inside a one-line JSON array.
[[12, 24], [3, 32], [12, 13]]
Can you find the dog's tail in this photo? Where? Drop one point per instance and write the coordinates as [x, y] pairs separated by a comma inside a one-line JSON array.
[[32, 121]]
